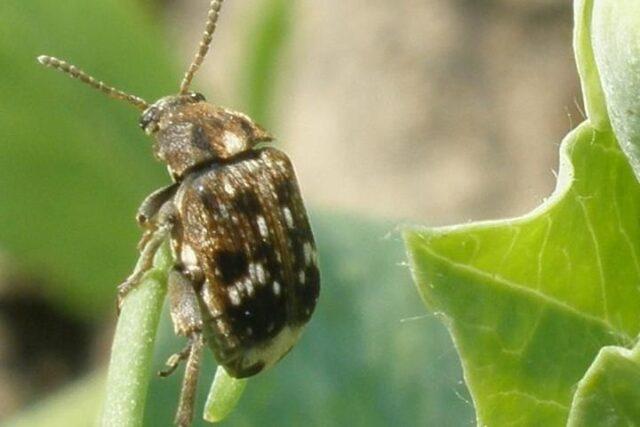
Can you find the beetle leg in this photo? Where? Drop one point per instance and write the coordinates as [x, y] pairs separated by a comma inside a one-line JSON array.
[[151, 245], [152, 204], [149, 210], [174, 361], [187, 321], [185, 308], [184, 415]]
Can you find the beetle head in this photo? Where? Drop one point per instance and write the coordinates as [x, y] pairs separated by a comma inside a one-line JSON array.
[[189, 132]]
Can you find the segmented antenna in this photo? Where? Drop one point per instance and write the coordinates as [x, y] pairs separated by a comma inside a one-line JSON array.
[[212, 18], [76, 73]]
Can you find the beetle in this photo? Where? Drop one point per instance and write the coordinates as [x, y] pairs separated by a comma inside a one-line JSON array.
[[245, 278]]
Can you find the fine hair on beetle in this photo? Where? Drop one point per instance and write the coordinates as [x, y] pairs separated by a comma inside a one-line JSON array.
[[245, 278]]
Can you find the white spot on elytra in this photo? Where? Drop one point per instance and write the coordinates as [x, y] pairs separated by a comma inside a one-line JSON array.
[[287, 217], [302, 277], [232, 143], [248, 284], [262, 277], [222, 326], [234, 296], [252, 165], [224, 212], [276, 288], [262, 226], [228, 187], [240, 287], [307, 253]]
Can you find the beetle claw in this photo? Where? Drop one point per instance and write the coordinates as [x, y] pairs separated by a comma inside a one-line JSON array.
[[175, 359]]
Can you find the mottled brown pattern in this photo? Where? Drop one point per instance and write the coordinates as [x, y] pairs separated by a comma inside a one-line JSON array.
[[221, 209], [191, 131]]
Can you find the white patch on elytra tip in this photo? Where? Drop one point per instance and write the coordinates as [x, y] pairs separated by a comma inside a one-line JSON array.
[[287, 217], [302, 277], [232, 143], [272, 350], [262, 226]]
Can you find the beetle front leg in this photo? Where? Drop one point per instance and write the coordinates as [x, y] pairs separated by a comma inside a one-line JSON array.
[[149, 210], [152, 204], [165, 223]]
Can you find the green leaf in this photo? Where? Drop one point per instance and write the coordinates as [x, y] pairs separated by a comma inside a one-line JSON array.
[[616, 45], [530, 301], [594, 99], [609, 394]]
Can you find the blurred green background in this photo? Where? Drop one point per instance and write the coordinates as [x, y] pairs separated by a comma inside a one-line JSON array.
[[381, 110]]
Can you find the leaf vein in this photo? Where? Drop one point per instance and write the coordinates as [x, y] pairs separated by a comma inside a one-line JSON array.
[[596, 247], [529, 396], [542, 297]]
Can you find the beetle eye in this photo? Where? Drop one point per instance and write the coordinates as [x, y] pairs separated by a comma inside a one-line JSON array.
[[197, 97], [148, 120]]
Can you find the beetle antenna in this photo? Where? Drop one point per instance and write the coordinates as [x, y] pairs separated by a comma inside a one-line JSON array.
[[76, 73], [210, 27]]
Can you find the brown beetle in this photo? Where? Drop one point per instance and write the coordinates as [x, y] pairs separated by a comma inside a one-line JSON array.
[[245, 279]]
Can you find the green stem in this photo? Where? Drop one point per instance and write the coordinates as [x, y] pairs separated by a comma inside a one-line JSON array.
[[130, 365], [223, 396]]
